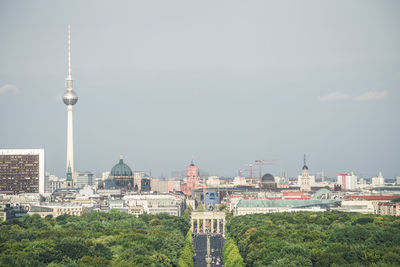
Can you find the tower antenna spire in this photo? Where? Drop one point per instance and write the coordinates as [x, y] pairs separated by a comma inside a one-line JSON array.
[[69, 53], [304, 159]]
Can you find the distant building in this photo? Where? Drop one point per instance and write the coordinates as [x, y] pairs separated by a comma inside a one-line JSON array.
[[160, 186], [398, 180], [9, 211], [22, 171], [378, 181], [213, 181], [267, 182], [56, 210], [388, 208], [52, 183], [193, 179], [121, 177], [252, 206], [83, 179], [154, 204], [347, 181], [305, 184], [104, 175], [211, 197]]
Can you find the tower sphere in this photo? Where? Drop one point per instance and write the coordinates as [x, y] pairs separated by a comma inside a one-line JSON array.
[[70, 98]]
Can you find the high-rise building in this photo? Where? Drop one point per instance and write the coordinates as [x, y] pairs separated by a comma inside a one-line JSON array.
[[347, 181], [22, 171], [379, 180], [70, 98], [305, 178]]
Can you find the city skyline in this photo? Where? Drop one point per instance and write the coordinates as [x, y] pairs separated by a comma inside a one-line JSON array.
[[226, 92]]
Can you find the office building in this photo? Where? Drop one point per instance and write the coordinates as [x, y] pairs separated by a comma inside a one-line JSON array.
[[22, 171], [83, 179], [347, 181]]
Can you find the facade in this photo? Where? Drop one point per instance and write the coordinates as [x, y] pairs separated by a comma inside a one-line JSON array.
[[388, 208], [58, 209], [250, 206], [83, 179], [211, 198], [160, 186], [154, 204], [359, 206], [347, 181], [9, 211], [22, 171]]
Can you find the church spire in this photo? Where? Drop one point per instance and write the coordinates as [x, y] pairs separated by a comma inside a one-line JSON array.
[[305, 166], [69, 172]]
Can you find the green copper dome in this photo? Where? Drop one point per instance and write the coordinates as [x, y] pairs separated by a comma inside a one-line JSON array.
[[121, 169]]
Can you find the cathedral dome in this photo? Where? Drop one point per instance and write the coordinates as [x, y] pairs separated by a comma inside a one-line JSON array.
[[268, 178], [121, 169]]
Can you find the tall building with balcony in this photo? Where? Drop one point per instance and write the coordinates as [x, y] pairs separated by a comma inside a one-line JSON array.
[[347, 181], [22, 171]]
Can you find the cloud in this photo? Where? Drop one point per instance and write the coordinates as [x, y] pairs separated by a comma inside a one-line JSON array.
[[335, 96], [372, 95], [9, 88]]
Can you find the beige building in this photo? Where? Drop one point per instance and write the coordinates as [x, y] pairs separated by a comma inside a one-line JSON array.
[[57, 210], [388, 208], [154, 204]]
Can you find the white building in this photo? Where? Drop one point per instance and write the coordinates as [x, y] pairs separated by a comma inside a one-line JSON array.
[[378, 181], [347, 181], [213, 181], [58, 209], [154, 204], [22, 171], [239, 181]]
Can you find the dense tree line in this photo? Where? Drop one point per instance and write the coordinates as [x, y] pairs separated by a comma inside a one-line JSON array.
[[231, 255], [186, 257], [317, 239], [94, 239]]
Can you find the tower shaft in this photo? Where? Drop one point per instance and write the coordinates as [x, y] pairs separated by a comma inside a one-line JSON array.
[[70, 140]]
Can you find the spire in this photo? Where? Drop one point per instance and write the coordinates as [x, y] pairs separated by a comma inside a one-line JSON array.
[[121, 158], [69, 53], [69, 172], [305, 166]]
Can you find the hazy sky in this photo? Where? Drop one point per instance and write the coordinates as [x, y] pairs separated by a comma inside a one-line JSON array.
[[224, 82]]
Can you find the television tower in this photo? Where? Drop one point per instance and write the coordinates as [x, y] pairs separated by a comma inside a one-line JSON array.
[[70, 98]]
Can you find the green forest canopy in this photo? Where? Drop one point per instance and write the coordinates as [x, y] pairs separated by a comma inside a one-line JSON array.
[[317, 239], [94, 239]]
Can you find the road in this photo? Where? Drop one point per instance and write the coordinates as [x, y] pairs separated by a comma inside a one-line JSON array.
[[200, 249]]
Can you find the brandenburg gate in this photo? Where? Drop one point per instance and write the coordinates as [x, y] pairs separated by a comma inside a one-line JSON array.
[[208, 222]]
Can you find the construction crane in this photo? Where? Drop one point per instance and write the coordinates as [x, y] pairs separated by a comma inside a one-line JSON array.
[[262, 162], [251, 172]]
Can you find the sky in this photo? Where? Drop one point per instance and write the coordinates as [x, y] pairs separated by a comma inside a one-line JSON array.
[[221, 82]]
